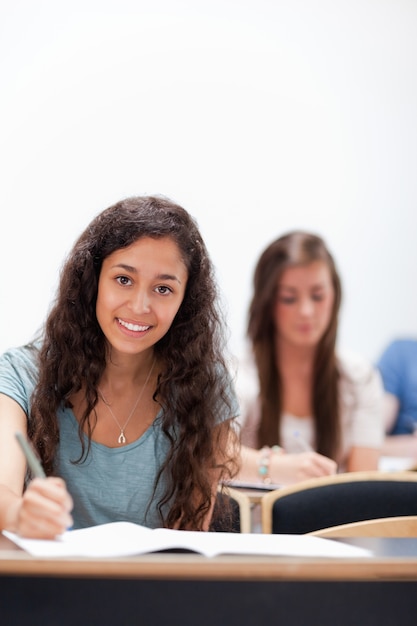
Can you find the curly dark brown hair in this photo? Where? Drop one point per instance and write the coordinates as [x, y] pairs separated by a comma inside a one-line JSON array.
[[73, 354], [296, 248]]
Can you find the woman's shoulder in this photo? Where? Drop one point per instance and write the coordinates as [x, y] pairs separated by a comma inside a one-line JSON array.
[[355, 367], [26, 356], [19, 373], [399, 351], [20, 365], [247, 376]]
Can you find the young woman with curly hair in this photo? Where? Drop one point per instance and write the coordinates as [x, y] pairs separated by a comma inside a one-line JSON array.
[[308, 409], [126, 395]]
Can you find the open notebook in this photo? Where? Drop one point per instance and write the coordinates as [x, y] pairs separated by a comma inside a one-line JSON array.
[[121, 539]]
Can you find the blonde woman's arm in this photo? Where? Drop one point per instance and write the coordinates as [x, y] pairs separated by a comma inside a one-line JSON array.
[[282, 468]]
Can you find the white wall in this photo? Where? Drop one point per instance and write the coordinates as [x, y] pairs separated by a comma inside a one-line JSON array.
[[258, 116]]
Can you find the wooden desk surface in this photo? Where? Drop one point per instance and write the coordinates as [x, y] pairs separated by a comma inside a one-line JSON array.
[[393, 559], [189, 589]]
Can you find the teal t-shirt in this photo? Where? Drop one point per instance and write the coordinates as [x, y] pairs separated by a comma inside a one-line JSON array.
[[112, 484]]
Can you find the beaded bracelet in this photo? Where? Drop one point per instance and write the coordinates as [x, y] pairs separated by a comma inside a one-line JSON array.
[[264, 462]]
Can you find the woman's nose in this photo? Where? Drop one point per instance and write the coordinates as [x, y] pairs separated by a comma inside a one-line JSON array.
[[306, 306], [140, 301]]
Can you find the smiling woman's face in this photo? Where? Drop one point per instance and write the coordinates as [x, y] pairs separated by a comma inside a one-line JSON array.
[[140, 290], [304, 304]]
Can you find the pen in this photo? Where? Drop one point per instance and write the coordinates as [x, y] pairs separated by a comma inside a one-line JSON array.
[[301, 442], [31, 458]]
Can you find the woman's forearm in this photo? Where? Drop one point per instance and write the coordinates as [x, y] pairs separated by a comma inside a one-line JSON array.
[[9, 509]]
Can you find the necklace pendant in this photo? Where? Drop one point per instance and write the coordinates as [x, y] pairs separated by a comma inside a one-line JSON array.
[[122, 438]]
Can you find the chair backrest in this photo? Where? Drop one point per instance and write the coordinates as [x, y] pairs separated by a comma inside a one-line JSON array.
[[240, 510], [403, 526], [340, 499]]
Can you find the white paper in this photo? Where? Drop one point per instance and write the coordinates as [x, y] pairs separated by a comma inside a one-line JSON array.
[[121, 539], [396, 463]]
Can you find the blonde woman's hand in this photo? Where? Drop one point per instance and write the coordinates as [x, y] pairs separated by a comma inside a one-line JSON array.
[[45, 509], [295, 467]]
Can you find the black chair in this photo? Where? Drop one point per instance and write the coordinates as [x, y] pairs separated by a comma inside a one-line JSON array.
[[236, 511], [319, 503]]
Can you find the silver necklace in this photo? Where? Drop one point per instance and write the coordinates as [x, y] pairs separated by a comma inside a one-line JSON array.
[[122, 436]]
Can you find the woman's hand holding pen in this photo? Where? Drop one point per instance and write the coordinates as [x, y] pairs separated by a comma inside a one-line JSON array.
[[45, 509], [306, 462], [283, 468], [296, 466]]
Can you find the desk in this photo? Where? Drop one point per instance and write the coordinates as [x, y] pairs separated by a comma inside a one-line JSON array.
[[191, 590]]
